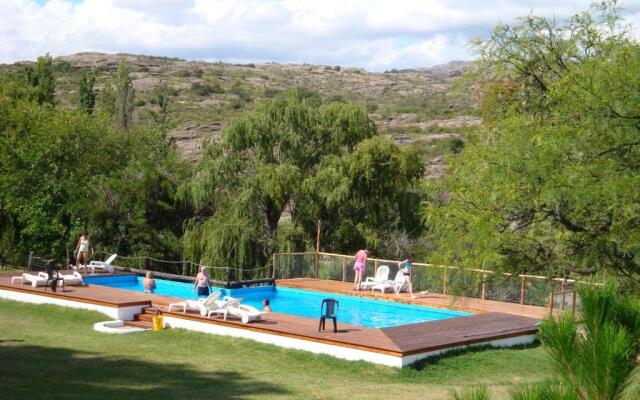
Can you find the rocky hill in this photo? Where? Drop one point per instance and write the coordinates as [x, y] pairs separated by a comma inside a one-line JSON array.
[[422, 107]]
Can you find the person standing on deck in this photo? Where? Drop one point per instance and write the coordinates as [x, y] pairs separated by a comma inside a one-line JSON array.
[[82, 250], [359, 267], [202, 282], [407, 269]]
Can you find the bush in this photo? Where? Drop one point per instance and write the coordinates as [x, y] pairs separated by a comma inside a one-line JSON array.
[[205, 89], [140, 103]]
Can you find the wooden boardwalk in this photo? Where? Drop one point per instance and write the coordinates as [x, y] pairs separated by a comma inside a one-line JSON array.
[[397, 341], [422, 299]]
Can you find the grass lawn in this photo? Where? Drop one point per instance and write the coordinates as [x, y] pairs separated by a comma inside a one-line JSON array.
[[50, 352]]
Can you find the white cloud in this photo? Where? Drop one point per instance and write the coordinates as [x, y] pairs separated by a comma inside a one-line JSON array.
[[374, 34]]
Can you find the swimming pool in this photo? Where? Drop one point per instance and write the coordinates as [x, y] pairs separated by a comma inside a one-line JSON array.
[[352, 310]]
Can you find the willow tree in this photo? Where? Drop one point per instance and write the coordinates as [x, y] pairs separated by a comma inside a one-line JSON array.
[[551, 182], [245, 182]]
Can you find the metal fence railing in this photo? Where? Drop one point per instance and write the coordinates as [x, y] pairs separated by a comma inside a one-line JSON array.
[[473, 283]]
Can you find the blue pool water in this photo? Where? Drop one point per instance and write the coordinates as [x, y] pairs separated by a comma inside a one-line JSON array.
[[303, 303]]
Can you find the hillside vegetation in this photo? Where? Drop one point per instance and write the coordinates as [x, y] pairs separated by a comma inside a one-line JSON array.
[[421, 107]]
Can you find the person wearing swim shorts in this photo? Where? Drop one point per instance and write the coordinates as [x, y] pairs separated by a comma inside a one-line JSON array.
[[407, 269], [202, 282], [359, 267]]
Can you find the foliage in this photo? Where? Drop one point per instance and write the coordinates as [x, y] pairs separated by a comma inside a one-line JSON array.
[[550, 183], [64, 171], [596, 356], [478, 393], [295, 152], [86, 93], [161, 98], [206, 89], [40, 78], [124, 96]]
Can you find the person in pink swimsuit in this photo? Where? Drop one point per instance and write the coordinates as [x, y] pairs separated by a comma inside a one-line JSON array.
[[359, 267]]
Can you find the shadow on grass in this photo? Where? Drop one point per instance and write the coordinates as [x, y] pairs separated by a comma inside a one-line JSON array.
[[56, 373], [422, 364]]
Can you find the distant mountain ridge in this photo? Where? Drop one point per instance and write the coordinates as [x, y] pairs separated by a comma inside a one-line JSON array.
[[416, 107]]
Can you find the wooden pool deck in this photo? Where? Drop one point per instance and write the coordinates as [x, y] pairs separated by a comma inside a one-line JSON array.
[[422, 299], [401, 342]]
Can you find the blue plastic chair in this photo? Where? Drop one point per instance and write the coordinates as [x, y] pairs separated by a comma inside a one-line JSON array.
[[327, 310]]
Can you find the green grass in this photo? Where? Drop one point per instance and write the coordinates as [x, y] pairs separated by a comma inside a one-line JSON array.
[[51, 352]]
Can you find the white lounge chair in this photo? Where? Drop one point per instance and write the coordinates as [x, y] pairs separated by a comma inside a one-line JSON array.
[[102, 265], [33, 280], [397, 284], [73, 279], [208, 306], [246, 313], [382, 275]]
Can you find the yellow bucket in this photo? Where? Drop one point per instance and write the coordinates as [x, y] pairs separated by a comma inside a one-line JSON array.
[[158, 323]]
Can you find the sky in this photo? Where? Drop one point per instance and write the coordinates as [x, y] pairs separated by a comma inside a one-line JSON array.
[[376, 35]]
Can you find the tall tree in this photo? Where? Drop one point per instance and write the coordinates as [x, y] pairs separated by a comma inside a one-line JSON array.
[[86, 93], [124, 96], [551, 183], [248, 180], [40, 78]]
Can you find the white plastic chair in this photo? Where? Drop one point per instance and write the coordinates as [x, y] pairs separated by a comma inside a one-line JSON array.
[[382, 275]]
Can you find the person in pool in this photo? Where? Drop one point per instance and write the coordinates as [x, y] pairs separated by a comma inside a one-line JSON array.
[[149, 283], [265, 305], [359, 267], [407, 269], [202, 282]]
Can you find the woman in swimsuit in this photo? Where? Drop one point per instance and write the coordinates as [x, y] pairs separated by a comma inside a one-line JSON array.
[[407, 269], [82, 249], [202, 282], [359, 267]]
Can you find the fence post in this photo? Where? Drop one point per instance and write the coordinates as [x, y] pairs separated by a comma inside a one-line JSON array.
[[522, 290], [564, 292], [573, 303], [273, 267], [483, 290], [344, 269], [228, 277], [29, 262], [444, 281], [375, 267], [317, 265], [551, 300]]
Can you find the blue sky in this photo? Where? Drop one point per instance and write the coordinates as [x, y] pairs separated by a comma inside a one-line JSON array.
[[372, 34]]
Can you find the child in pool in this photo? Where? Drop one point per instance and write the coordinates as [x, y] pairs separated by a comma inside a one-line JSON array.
[[265, 305], [149, 283]]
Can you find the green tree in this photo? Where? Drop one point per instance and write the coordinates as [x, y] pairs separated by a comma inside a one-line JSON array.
[[161, 116], [594, 355], [551, 182], [265, 165], [62, 171], [86, 93], [124, 96], [40, 78]]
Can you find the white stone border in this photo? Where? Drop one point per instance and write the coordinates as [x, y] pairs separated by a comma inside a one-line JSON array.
[[343, 352], [346, 353], [521, 340], [116, 326], [122, 313]]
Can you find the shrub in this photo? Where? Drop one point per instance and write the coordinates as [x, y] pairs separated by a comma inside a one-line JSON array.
[[206, 89]]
